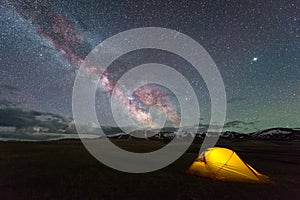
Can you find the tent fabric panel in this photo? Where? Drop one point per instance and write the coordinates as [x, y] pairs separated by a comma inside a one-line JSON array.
[[240, 167], [236, 173], [216, 158], [199, 168]]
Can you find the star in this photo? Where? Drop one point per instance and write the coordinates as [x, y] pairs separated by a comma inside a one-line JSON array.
[[255, 51]]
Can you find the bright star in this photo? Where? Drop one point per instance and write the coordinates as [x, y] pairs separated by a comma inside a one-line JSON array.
[[255, 59]]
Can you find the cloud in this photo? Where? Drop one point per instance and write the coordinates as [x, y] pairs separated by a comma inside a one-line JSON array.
[[212, 126], [15, 117], [22, 119], [238, 124], [11, 96], [5, 88], [236, 99], [4, 103], [7, 92], [235, 124]]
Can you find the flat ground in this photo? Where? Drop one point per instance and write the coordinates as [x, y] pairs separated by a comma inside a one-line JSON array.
[[65, 170]]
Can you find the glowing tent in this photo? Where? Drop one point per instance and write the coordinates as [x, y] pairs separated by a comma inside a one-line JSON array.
[[224, 164]]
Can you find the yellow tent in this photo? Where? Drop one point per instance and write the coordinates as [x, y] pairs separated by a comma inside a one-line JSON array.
[[224, 164]]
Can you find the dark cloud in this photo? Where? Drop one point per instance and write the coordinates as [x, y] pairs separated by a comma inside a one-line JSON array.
[[8, 87], [236, 99], [20, 119], [204, 127], [6, 92], [11, 96], [16, 117], [238, 124], [4, 103], [4, 89]]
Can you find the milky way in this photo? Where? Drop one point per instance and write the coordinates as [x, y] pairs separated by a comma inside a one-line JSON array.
[[255, 45], [61, 33]]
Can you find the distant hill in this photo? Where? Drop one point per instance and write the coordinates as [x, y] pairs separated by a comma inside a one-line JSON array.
[[15, 123], [282, 134], [287, 134]]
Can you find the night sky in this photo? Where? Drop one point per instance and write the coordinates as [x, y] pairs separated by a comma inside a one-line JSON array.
[[255, 44]]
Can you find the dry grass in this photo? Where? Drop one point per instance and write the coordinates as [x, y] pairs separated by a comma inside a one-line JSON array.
[[65, 170]]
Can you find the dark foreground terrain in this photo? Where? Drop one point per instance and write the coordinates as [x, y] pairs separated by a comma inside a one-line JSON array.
[[65, 170]]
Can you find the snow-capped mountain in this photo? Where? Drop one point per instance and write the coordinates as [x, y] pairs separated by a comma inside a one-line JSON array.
[[277, 134], [284, 134], [18, 123]]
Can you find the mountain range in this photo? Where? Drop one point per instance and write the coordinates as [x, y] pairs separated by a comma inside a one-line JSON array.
[[18, 124]]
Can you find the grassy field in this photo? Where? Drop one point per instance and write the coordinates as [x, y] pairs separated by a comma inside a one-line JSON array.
[[65, 170]]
